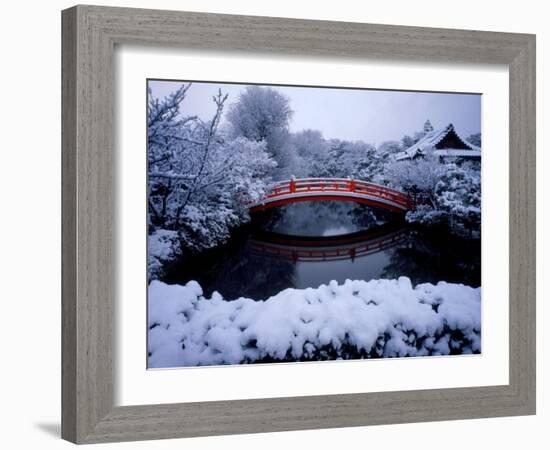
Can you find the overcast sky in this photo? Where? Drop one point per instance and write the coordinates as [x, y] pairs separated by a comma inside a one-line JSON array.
[[373, 116]]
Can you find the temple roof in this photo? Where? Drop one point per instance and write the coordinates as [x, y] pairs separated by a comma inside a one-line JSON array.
[[431, 141]]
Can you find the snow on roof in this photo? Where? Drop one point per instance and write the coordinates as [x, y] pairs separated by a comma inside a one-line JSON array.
[[454, 152], [433, 138]]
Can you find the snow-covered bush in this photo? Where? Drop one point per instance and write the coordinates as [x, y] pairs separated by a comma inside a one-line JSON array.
[[454, 200], [426, 215], [447, 193], [358, 319], [163, 246], [458, 195], [419, 174]]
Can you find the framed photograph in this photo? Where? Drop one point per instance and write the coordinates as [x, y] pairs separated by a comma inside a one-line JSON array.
[[278, 224], [269, 242]]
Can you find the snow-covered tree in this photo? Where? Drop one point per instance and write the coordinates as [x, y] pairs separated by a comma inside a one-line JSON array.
[[263, 114], [200, 179], [258, 111], [369, 165], [419, 175], [355, 159], [332, 165], [169, 142], [309, 144], [428, 127], [475, 139], [389, 148], [309, 149], [407, 141]]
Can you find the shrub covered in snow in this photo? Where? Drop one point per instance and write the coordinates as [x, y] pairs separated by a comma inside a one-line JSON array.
[[458, 196], [163, 246], [451, 193], [358, 319]]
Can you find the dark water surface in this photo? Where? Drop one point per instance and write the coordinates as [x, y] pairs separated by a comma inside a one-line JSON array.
[[309, 244]]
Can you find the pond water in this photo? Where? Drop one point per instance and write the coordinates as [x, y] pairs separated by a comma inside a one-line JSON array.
[[308, 244]]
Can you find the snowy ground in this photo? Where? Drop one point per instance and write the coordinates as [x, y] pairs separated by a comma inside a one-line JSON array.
[[358, 319]]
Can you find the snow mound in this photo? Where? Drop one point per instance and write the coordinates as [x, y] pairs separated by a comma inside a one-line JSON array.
[[357, 319]]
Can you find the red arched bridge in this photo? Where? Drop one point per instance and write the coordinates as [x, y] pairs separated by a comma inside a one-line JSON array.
[[339, 189]]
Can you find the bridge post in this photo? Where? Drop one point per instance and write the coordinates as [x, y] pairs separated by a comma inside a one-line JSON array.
[[292, 185]]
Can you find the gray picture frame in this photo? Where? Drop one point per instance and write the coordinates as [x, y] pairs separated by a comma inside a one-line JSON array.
[[90, 34]]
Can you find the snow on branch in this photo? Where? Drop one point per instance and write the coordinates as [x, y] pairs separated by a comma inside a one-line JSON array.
[[198, 174]]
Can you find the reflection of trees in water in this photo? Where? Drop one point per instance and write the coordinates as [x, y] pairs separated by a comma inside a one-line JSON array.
[[234, 271], [432, 256], [366, 217], [318, 218]]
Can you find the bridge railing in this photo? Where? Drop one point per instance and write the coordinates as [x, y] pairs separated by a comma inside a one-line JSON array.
[[320, 185]]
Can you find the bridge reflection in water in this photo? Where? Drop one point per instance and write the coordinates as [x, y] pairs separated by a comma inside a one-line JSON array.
[[259, 264], [329, 248]]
